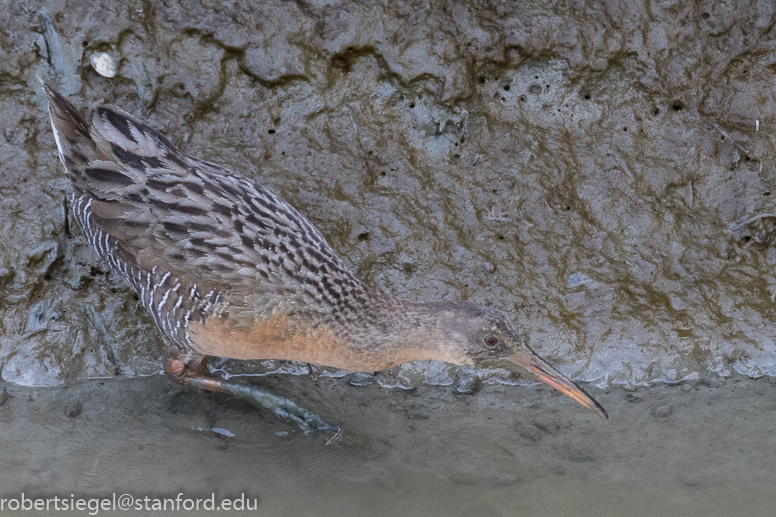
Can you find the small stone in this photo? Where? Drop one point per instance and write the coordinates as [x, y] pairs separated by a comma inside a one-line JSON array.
[[359, 379], [103, 64], [575, 456], [529, 432], [467, 382], [74, 410], [663, 411], [635, 396]]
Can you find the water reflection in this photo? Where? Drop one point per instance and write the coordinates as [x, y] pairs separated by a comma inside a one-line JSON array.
[[507, 450]]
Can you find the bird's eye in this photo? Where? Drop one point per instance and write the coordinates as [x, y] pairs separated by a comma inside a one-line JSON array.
[[491, 340]]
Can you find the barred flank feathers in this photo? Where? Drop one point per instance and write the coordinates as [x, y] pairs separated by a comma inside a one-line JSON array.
[[190, 237]]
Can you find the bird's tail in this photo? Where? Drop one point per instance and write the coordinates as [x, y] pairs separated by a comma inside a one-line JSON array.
[[71, 132]]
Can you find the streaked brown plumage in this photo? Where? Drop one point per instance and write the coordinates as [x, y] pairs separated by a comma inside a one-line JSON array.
[[227, 268]]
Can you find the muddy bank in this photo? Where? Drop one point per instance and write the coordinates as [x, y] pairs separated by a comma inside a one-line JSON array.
[[584, 170]]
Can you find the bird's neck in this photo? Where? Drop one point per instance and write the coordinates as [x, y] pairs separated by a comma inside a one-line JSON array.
[[395, 331]]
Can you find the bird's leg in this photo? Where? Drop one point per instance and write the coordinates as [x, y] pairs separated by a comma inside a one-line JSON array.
[[194, 373], [184, 373]]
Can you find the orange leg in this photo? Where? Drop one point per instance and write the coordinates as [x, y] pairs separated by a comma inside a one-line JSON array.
[[194, 373]]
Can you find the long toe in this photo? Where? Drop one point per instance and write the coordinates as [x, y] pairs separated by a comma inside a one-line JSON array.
[[285, 408]]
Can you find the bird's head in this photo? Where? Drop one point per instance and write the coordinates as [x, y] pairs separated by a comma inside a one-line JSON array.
[[483, 337]]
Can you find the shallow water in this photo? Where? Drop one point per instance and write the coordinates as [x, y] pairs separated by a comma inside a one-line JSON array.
[[691, 449]]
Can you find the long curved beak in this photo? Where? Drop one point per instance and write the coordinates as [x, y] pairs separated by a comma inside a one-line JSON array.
[[534, 364]]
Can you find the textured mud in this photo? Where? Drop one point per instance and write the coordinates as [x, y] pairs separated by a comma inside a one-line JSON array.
[[584, 169]]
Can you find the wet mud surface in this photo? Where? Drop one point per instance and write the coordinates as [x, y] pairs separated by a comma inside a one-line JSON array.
[[584, 170], [603, 173]]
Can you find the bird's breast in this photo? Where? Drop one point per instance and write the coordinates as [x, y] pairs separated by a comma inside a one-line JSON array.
[[277, 337]]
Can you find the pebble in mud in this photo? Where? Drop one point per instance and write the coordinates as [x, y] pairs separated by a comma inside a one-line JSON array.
[[529, 432], [359, 378], [662, 411], [467, 382], [74, 409], [103, 64]]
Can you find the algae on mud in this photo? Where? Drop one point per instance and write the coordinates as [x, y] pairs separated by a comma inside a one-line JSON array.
[[581, 170]]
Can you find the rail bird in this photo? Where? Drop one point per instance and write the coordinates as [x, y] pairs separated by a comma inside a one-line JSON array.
[[227, 268]]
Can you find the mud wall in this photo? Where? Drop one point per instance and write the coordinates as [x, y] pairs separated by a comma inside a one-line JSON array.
[[585, 167]]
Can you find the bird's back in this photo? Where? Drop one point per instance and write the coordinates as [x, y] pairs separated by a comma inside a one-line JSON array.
[[194, 240]]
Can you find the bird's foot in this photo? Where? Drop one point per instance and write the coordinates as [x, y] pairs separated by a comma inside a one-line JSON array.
[[285, 409]]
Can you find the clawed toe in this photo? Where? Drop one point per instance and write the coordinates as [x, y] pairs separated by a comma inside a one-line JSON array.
[[285, 409]]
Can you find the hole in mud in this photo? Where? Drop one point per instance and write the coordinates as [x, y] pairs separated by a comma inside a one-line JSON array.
[[705, 16], [677, 106], [587, 96], [657, 111], [481, 80], [363, 236], [412, 104], [506, 87], [271, 131]]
